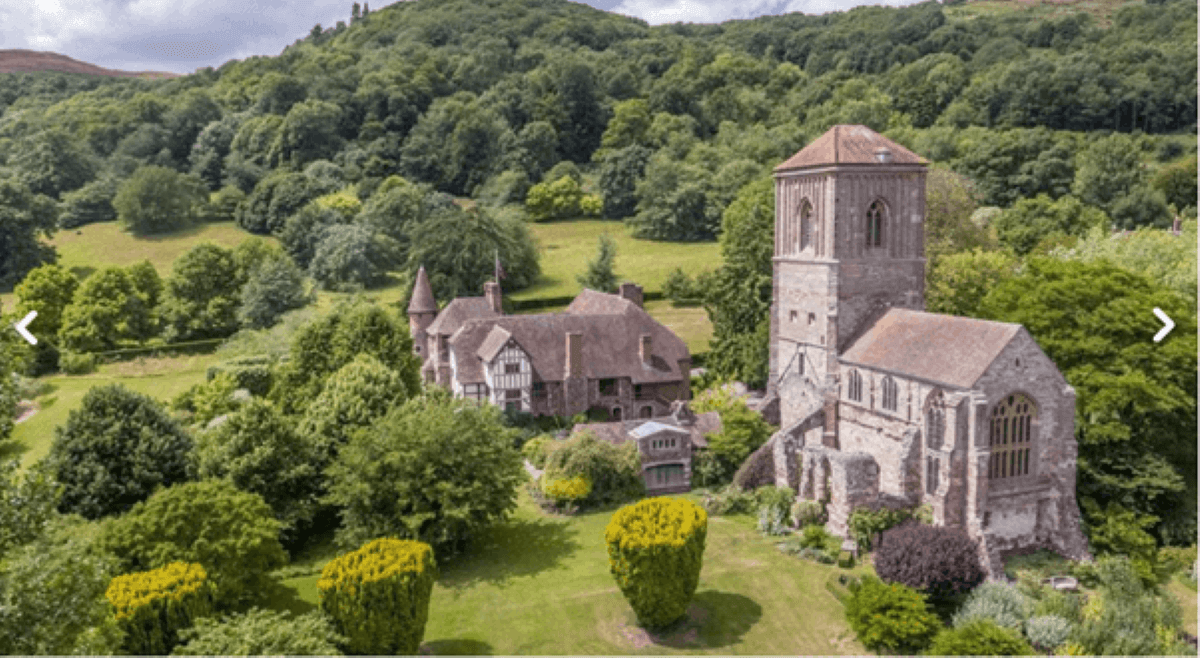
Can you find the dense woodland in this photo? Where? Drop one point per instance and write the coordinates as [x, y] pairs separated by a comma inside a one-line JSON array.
[[431, 132]]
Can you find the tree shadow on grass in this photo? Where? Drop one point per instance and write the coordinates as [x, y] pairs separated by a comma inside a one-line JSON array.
[[456, 648], [82, 272], [274, 595], [518, 547], [714, 619]]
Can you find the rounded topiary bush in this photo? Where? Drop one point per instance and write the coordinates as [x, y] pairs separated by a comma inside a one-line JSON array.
[[151, 607], [941, 562], [378, 596], [655, 551], [890, 617], [979, 638]]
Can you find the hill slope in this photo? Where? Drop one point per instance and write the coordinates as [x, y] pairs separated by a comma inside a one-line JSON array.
[[26, 61]]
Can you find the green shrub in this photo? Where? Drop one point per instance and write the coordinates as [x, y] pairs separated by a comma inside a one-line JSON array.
[[1067, 605], [941, 562], [774, 508], [757, 471], [252, 373], [730, 500], [867, 522], [614, 471], [1124, 617], [890, 617], [996, 602], [655, 552], [845, 560], [231, 533], [537, 449], [208, 400], [808, 512], [682, 290], [814, 536], [979, 638], [1047, 631], [260, 633], [1177, 559], [151, 607], [378, 596], [75, 363]]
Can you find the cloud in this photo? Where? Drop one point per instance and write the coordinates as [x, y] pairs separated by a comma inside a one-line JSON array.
[[657, 12]]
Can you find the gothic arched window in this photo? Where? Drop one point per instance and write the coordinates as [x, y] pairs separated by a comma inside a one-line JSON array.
[[935, 421], [876, 216], [891, 394], [854, 386], [806, 224], [1011, 437]]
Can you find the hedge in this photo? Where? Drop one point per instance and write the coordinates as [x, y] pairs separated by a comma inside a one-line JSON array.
[[655, 552], [378, 596], [253, 373], [152, 607], [893, 617]]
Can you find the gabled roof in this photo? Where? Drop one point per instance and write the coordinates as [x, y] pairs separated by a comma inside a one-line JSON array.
[[591, 302], [649, 427], [937, 348], [422, 295], [618, 432], [496, 339], [848, 144], [459, 311], [610, 343]]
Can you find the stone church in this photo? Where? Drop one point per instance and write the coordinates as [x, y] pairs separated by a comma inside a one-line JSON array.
[[888, 404]]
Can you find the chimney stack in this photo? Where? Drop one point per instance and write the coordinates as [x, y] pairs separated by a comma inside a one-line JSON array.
[[632, 292], [574, 365], [645, 349], [491, 290]]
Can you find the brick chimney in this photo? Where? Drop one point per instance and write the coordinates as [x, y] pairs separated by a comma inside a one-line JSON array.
[[491, 290], [632, 292], [574, 365], [645, 349]]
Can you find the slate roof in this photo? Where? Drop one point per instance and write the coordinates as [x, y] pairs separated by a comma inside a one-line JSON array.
[[422, 296], [459, 311], [938, 348], [618, 432], [848, 144], [610, 345], [591, 302], [496, 339]]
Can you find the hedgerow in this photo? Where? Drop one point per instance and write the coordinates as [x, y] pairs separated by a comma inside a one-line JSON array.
[[151, 607], [378, 596], [655, 552]]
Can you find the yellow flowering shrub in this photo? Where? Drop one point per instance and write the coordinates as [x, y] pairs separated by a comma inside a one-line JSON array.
[[151, 607], [378, 595], [1071, 649], [566, 490], [655, 551], [1094, 607]]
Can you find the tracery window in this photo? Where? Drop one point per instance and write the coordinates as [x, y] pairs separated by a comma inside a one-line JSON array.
[[876, 215], [854, 386], [935, 421], [891, 394], [806, 227], [1011, 437], [933, 466]]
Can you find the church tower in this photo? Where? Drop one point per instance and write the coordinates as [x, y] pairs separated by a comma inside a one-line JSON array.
[[849, 244], [422, 310]]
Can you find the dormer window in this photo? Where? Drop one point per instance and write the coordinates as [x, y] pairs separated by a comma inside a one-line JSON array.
[[876, 215]]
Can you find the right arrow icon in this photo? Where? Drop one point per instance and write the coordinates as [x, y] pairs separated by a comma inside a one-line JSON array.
[[1168, 325]]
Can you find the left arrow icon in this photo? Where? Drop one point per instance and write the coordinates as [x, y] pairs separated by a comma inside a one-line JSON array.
[[20, 327]]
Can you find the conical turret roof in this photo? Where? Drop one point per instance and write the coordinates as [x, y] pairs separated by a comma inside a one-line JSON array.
[[422, 295]]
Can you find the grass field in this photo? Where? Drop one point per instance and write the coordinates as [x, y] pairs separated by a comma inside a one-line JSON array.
[[1101, 10], [161, 379], [540, 585]]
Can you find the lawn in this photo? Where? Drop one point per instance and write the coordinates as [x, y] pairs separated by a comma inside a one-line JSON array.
[[568, 246], [539, 584], [161, 378]]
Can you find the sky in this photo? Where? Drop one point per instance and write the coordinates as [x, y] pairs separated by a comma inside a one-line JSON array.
[[181, 36]]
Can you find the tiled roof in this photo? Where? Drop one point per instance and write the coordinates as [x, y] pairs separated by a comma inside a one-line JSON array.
[[495, 341], [459, 311], [619, 432], [846, 144], [938, 348], [610, 345], [422, 295], [591, 302]]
